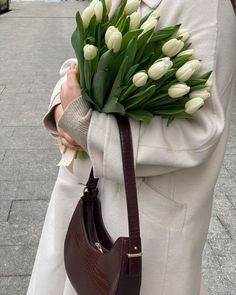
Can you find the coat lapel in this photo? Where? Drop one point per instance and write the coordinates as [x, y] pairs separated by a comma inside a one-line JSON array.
[[152, 3]]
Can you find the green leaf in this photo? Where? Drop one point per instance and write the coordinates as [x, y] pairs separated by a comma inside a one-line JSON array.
[[98, 36], [130, 73], [127, 92], [116, 87], [195, 82], [119, 12], [187, 45], [157, 100], [77, 41], [206, 76], [145, 17], [105, 14], [125, 26], [113, 106], [91, 31], [170, 112], [131, 52], [90, 100], [129, 36], [142, 43], [165, 33], [88, 75], [198, 87], [140, 115], [138, 98], [103, 77], [179, 61], [82, 155]]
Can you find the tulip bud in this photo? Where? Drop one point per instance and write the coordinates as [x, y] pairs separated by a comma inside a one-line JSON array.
[[149, 24], [154, 14], [187, 70], [93, 3], [109, 31], [178, 90], [87, 14], [135, 19], [108, 4], [90, 52], [184, 34], [131, 6], [114, 42], [209, 83], [186, 52], [157, 70], [193, 105], [168, 62], [98, 10], [203, 93], [140, 79], [172, 47]]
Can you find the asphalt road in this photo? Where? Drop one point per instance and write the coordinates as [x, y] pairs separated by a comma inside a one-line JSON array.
[[34, 42]]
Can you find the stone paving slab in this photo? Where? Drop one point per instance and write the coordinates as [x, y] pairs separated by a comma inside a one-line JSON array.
[[30, 59]]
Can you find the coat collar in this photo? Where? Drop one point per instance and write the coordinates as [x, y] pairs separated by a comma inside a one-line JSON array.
[[152, 3]]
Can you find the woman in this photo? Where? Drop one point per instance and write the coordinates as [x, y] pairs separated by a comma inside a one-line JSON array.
[[176, 166]]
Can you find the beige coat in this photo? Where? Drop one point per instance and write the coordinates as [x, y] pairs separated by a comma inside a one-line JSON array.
[[176, 166]]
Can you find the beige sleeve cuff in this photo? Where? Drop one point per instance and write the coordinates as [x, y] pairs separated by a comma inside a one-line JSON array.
[[76, 119], [48, 119]]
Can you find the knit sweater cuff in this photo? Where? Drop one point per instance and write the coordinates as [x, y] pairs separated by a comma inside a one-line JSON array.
[[75, 120]]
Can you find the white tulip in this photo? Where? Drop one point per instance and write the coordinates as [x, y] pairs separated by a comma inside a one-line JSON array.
[[209, 83], [140, 79], [168, 62], [135, 19], [114, 42], [203, 93], [178, 90], [186, 52], [108, 4], [87, 14], [157, 70], [154, 14], [98, 10], [193, 105], [187, 70], [109, 31], [93, 3], [148, 25], [184, 34], [131, 6], [172, 47], [90, 52]]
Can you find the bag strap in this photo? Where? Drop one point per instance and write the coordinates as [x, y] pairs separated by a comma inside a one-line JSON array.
[[130, 186]]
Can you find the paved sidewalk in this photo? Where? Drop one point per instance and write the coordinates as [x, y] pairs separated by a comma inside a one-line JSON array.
[[34, 41]]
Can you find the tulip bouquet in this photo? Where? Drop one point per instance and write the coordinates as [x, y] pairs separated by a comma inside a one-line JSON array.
[[127, 65]]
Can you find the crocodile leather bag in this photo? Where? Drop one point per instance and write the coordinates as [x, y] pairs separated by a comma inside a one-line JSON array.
[[94, 263]]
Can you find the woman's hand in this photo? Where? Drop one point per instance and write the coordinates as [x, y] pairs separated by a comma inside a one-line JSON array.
[[70, 89], [65, 138]]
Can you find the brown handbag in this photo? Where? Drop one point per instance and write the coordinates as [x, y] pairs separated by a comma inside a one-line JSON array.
[[94, 263]]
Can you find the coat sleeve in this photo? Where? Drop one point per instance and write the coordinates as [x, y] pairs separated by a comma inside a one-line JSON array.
[[48, 119]]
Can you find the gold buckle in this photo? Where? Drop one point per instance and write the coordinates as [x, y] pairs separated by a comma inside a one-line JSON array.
[[132, 255]]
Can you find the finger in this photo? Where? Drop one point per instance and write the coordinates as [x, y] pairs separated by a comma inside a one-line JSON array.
[[69, 138], [71, 146], [71, 77]]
